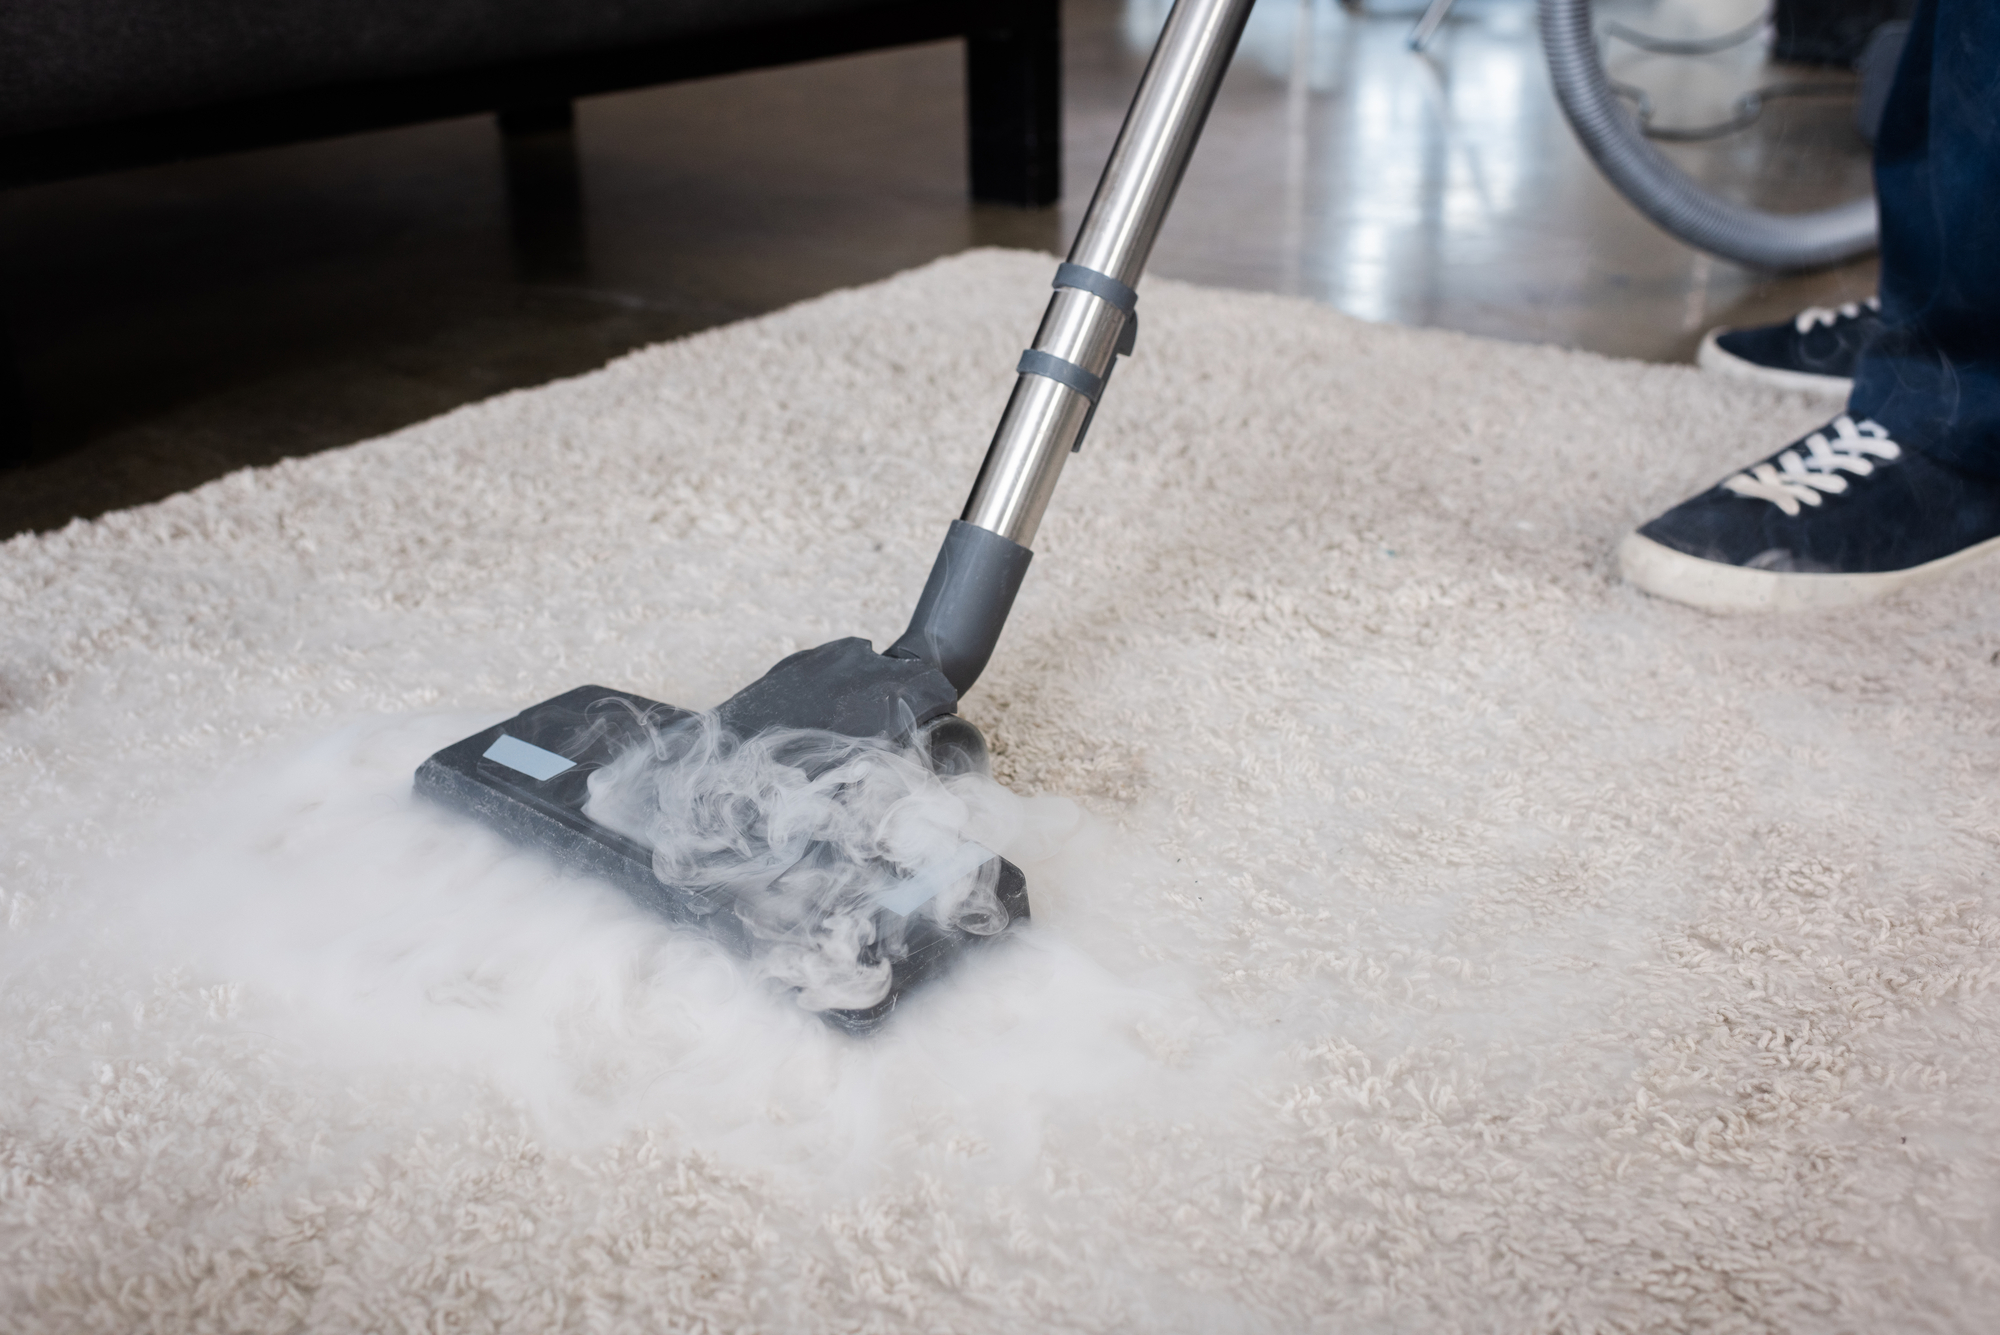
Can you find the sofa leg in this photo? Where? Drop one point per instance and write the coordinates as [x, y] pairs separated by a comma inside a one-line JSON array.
[[17, 444], [544, 190], [1013, 97]]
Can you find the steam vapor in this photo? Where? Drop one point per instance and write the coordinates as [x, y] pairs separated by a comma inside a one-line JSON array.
[[817, 852]]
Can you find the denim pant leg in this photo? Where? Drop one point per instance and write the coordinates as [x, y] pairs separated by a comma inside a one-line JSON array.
[[1933, 376]]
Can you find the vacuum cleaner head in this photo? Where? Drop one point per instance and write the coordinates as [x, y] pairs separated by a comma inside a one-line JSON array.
[[540, 779], [767, 872]]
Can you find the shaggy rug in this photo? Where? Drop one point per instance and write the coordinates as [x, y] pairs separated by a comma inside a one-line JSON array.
[[1431, 933]]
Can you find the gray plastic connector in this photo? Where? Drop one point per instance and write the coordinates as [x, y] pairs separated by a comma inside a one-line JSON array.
[[965, 603]]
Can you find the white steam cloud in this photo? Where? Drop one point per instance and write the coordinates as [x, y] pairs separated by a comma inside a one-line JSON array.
[[824, 856], [309, 919]]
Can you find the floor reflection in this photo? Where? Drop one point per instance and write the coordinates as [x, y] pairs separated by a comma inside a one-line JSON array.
[[1445, 188]]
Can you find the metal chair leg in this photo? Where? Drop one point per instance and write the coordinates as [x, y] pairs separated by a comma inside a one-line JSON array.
[[1420, 35]]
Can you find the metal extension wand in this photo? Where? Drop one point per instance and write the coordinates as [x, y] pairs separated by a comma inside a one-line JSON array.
[[1091, 319]]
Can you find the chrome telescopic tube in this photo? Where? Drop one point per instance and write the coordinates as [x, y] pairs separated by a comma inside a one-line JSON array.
[[1091, 319], [1084, 329]]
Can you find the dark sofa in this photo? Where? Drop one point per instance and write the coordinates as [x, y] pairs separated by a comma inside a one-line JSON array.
[[94, 85], [90, 86]]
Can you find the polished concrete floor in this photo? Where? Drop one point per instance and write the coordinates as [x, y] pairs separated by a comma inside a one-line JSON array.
[[172, 324]]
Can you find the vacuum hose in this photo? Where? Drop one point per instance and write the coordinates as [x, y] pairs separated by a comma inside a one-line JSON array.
[[1662, 191]]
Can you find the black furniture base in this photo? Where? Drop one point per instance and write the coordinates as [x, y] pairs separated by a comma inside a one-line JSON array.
[[1013, 95], [1013, 68]]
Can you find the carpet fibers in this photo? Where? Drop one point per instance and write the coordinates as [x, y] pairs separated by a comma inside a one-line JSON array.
[[1431, 933]]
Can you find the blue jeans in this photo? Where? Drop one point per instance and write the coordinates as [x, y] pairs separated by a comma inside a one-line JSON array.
[[1933, 375]]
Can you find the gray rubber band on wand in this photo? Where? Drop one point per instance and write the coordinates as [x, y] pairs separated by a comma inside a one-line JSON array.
[[1046, 364], [1106, 288], [1097, 284]]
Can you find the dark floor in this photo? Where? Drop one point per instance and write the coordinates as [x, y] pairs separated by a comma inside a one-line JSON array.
[[175, 323]]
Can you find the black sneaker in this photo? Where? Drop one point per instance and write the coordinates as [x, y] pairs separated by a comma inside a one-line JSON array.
[[1814, 351], [1839, 517]]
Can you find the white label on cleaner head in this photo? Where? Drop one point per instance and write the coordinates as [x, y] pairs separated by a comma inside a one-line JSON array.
[[927, 883], [528, 758]]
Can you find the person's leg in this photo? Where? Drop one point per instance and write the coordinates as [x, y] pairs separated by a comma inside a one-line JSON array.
[[1906, 483], [1932, 374]]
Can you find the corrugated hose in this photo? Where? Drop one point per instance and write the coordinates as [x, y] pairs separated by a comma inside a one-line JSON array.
[[1643, 174]]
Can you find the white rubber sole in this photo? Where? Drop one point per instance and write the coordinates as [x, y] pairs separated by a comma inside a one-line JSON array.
[[1714, 357], [1715, 587]]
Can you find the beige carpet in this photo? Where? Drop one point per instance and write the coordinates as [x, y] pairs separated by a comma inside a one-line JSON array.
[[1431, 933]]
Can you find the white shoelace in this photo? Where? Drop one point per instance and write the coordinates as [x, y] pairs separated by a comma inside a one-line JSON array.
[[1813, 316], [1794, 478]]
